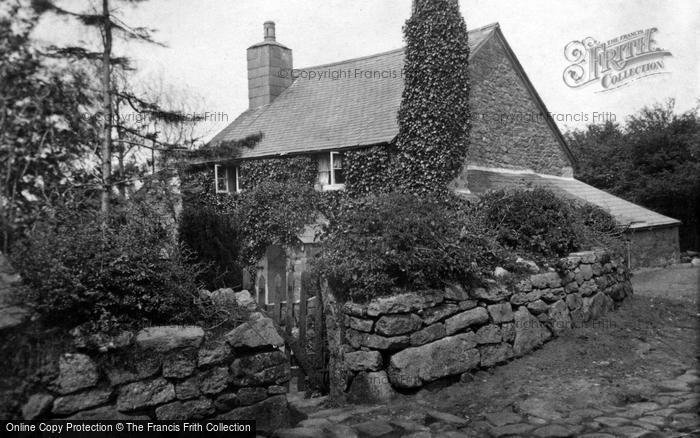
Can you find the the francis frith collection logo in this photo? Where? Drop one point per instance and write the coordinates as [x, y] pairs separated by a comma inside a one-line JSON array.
[[616, 62]]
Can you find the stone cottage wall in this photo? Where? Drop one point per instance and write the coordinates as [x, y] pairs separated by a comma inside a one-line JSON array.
[[172, 373], [408, 340], [507, 129], [654, 247]]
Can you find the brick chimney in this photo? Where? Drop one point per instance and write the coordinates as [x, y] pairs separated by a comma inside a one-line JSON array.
[[269, 69]]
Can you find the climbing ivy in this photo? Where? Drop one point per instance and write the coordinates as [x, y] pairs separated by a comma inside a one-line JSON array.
[[369, 170], [434, 113], [302, 169]]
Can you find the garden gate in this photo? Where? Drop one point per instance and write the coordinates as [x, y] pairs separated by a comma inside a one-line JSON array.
[[301, 325]]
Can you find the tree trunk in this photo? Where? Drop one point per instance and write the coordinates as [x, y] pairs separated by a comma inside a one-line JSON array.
[[106, 151]]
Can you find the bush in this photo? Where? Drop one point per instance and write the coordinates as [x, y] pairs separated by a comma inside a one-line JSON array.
[[126, 273], [214, 238], [597, 228], [380, 244], [536, 221]]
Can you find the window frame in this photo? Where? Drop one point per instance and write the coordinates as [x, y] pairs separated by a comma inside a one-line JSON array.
[[227, 177], [332, 185], [217, 170]]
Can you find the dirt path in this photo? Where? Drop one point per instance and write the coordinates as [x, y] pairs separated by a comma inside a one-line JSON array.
[[630, 374]]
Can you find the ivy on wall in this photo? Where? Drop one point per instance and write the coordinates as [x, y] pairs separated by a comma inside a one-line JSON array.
[[369, 170], [434, 113], [302, 169]]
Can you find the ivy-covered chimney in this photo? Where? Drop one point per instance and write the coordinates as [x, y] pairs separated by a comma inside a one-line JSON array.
[[269, 69]]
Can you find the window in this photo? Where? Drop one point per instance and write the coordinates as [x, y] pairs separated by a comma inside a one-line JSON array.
[[337, 173], [331, 175], [221, 178], [226, 179]]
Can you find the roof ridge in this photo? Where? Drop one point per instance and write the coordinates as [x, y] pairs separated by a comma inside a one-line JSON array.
[[493, 25]]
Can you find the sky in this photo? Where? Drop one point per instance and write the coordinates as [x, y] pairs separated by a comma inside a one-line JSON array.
[[206, 43]]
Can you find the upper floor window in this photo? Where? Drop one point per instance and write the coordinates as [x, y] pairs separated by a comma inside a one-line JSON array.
[[331, 174], [226, 179]]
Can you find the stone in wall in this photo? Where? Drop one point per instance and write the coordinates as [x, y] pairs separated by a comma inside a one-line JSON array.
[[268, 368], [404, 303], [489, 334], [359, 324], [69, 404], [357, 340], [596, 306], [529, 332], [428, 334], [128, 367], [393, 325], [251, 395], [168, 338], [254, 334], [559, 317], [500, 312], [495, 353], [363, 360], [38, 406], [493, 293], [546, 280], [139, 395], [214, 380], [438, 313], [456, 292], [75, 372], [188, 410], [180, 364], [414, 366], [370, 387], [475, 316], [213, 354]]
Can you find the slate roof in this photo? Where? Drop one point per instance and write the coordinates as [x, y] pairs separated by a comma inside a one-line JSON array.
[[316, 115], [625, 212]]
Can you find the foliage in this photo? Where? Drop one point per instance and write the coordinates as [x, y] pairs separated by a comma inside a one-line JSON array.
[[273, 213], [652, 160], [539, 224], [42, 133], [214, 239], [302, 169], [596, 228], [534, 221], [382, 243], [369, 170], [434, 115], [221, 151], [123, 271]]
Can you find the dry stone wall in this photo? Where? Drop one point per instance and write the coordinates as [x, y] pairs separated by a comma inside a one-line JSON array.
[[405, 341], [172, 373]]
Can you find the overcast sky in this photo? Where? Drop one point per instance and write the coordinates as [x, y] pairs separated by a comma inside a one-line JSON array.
[[207, 41]]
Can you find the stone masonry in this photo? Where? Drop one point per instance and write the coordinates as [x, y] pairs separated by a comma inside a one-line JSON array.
[[408, 340], [173, 373]]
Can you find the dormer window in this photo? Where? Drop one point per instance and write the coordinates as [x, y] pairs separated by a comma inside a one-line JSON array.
[[226, 179], [331, 174]]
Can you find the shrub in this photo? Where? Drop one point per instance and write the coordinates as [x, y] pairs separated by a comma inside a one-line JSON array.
[[536, 221], [214, 238], [126, 273], [273, 213], [597, 228], [382, 243]]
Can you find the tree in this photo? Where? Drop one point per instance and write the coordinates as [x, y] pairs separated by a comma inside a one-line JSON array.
[[434, 113], [43, 136], [108, 24], [653, 160]]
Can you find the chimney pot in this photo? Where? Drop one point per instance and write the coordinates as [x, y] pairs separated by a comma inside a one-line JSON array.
[[269, 30]]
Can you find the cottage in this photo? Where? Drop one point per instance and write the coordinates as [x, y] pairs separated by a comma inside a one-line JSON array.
[[326, 110]]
